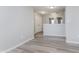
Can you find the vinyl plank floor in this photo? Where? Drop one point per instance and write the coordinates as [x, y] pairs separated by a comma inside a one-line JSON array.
[[46, 44]]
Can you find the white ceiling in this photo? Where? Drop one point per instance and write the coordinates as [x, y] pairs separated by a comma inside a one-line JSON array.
[[48, 10]]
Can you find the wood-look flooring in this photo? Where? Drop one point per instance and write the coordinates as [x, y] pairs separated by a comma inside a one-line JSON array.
[[46, 44]]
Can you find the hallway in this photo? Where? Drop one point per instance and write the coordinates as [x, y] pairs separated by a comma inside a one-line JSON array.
[[46, 45]]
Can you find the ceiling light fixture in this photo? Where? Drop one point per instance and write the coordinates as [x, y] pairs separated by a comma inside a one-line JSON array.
[[51, 7], [42, 12]]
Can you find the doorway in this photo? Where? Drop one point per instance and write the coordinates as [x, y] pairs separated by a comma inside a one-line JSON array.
[[38, 24]]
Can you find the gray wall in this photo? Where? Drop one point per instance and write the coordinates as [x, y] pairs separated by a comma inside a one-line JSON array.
[[72, 24], [16, 26]]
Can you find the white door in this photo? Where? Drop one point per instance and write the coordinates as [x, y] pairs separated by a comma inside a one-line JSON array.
[[38, 23]]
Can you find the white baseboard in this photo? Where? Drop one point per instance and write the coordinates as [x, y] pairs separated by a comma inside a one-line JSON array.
[[72, 42], [16, 45], [55, 35]]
